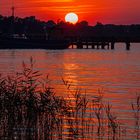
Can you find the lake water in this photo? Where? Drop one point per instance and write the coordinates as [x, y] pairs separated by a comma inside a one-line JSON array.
[[115, 72]]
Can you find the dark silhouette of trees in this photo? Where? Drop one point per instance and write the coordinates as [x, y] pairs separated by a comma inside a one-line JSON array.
[[36, 29]]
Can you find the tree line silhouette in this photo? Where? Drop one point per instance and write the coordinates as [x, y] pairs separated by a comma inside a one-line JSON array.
[[33, 28]]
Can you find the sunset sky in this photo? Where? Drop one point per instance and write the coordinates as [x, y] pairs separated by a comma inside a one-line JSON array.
[[105, 11]]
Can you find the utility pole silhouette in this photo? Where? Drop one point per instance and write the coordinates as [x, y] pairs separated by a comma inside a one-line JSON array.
[[12, 18], [13, 11]]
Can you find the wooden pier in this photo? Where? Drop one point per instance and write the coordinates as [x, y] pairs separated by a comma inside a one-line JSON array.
[[102, 43], [82, 43]]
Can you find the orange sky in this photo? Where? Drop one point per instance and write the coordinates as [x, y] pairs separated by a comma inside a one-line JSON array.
[[105, 11]]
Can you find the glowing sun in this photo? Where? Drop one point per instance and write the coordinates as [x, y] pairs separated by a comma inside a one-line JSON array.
[[71, 18]]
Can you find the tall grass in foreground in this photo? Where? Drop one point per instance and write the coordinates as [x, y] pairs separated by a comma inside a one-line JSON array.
[[30, 110], [136, 110]]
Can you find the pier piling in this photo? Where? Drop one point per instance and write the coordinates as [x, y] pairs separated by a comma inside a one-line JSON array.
[[127, 46], [112, 45]]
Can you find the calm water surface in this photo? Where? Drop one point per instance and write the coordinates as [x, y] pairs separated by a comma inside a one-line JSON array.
[[115, 72]]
